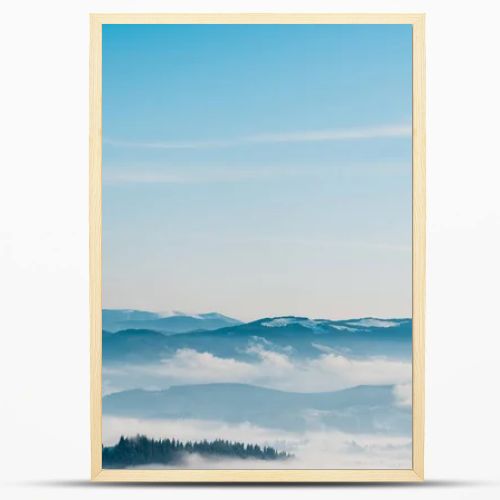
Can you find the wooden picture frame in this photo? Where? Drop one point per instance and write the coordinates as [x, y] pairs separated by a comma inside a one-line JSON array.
[[416, 473]]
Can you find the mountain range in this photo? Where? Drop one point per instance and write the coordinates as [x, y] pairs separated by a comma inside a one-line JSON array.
[[358, 409], [160, 351], [297, 336], [114, 320]]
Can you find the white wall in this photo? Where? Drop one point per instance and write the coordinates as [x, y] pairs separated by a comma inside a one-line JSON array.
[[44, 432]]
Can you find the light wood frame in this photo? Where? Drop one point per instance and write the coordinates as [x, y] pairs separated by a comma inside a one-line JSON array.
[[416, 473]]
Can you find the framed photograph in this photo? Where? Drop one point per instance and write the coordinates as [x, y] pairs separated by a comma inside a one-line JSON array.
[[257, 247]]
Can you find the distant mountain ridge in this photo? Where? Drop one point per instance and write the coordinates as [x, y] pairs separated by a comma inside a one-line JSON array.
[[356, 409], [324, 325], [298, 336], [114, 320]]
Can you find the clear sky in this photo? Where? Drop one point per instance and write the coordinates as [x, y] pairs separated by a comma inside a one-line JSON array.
[[257, 170]]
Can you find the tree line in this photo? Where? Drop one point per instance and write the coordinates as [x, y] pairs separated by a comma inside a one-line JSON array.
[[141, 450]]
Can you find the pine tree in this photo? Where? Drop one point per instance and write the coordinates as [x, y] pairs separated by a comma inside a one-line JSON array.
[[141, 450]]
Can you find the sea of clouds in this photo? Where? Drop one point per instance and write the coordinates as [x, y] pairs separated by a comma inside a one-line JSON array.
[[329, 371]]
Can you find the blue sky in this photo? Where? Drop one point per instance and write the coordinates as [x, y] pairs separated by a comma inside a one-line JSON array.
[[257, 170]]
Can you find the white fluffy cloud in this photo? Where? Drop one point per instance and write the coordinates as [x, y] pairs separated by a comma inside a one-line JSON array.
[[328, 372], [193, 366], [403, 395]]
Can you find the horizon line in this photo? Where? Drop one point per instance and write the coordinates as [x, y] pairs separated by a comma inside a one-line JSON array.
[[171, 314]]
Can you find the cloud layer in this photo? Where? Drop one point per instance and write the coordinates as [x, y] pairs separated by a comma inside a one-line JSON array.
[[329, 371]]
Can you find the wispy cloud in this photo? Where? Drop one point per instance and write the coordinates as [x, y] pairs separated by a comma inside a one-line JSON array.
[[192, 175], [171, 144], [328, 135], [197, 174], [335, 134]]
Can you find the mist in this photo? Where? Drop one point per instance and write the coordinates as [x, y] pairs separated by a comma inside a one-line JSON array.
[[319, 449]]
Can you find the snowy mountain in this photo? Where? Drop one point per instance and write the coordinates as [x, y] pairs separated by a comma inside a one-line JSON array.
[[297, 336], [323, 325], [114, 320]]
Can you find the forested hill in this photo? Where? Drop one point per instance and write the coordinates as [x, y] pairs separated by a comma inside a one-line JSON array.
[[141, 450]]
